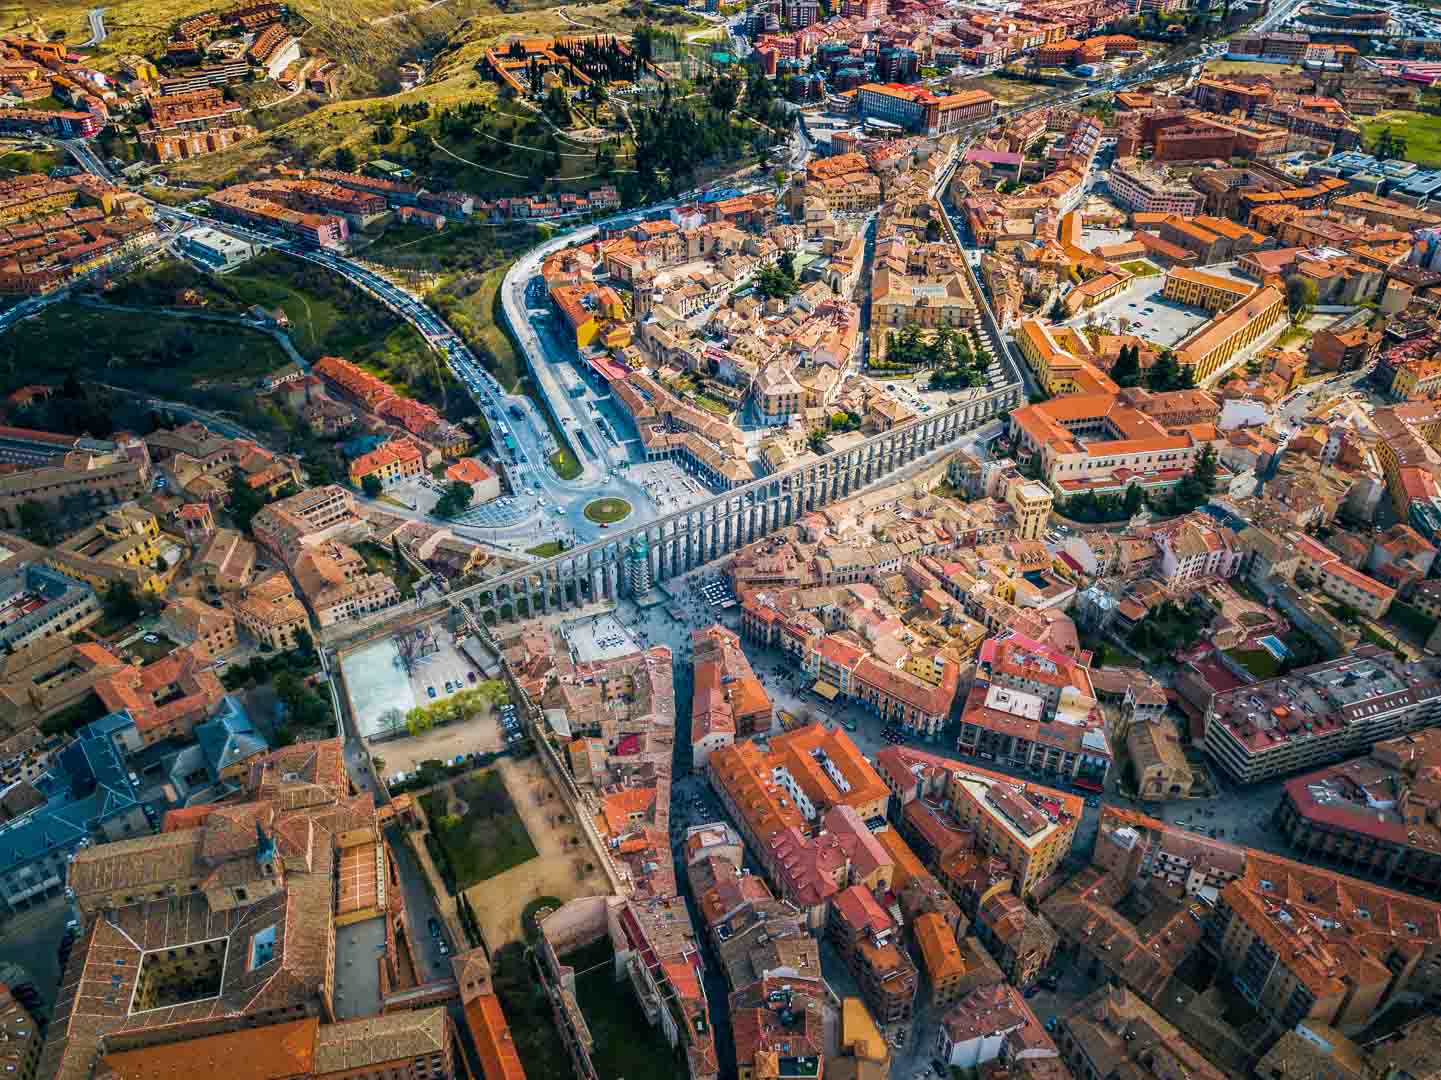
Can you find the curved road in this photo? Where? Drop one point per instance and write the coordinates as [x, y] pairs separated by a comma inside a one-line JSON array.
[[561, 501]]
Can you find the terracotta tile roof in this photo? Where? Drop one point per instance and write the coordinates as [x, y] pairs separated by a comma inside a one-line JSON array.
[[273, 1052]]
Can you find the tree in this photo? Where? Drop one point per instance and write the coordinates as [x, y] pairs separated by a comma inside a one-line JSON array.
[[371, 485], [1164, 374], [1388, 145], [392, 720], [1204, 468], [418, 721], [121, 603], [1135, 498], [344, 159], [456, 498], [775, 284], [243, 501], [1300, 297], [1127, 370], [35, 522]]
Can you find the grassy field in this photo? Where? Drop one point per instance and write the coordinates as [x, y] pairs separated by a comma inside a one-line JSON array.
[[380, 559], [1008, 91], [464, 29], [1259, 662], [120, 348], [1141, 268], [608, 511], [327, 317], [478, 829], [20, 158], [1422, 133], [1250, 67]]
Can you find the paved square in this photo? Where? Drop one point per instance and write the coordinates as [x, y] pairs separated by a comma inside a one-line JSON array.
[[601, 637]]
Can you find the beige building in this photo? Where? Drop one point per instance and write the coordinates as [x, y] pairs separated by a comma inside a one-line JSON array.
[[337, 584], [269, 611], [1031, 502]]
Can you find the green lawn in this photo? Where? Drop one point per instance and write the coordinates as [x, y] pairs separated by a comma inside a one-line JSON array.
[[31, 161], [547, 549], [1422, 132], [1259, 662], [1409, 618], [488, 838], [128, 350], [379, 558], [565, 464], [607, 511], [1141, 268]]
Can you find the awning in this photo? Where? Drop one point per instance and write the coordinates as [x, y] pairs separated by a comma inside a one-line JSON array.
[[825, 690]]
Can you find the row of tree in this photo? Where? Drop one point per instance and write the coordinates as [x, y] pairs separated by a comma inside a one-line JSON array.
[[462, 705]]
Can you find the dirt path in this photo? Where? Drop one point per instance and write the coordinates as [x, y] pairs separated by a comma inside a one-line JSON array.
[[559, 868]]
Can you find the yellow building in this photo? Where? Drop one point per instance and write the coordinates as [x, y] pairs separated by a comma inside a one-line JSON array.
[[941, 955], [1210, 291], [1031, 502], [396, 460], [1010, 826], [1213, 346], [1417, 379], [1056, 366]]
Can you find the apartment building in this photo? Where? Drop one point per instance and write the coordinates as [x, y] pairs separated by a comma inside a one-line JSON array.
[[1021, 940], [1033, 706], [1307, 944], [1320, 714], [164, 699], [1374, 813], [1113, 1031], [83, 795], [995, 1024], [390, 463], [869, 941], [338, 585], [286, 526], [1027, 826], [269, 611], [1354, 588], [1148, 189], [729, 701]]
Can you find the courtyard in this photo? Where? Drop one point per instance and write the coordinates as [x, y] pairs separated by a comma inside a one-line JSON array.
[[476, 827], [563, 866]]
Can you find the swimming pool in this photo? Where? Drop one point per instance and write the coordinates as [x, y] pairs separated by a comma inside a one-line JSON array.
[[1275, 646]]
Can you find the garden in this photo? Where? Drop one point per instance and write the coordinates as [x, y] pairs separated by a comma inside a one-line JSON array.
[[476, 829]]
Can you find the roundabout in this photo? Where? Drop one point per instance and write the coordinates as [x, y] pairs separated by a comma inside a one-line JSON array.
[[607, 511]]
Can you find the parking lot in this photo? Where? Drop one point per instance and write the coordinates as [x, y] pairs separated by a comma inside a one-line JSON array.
[[1141, 309]]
